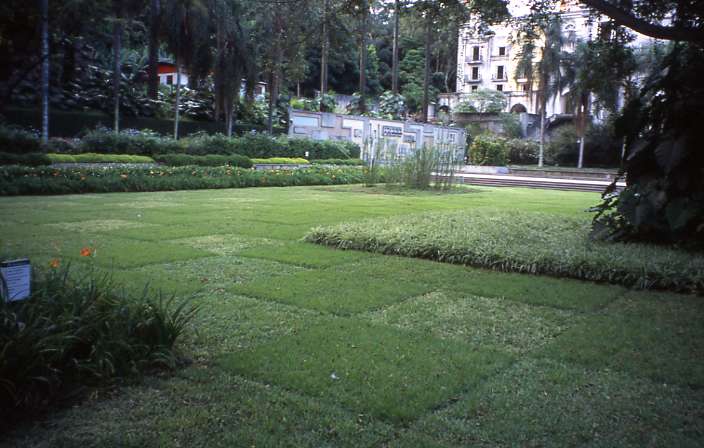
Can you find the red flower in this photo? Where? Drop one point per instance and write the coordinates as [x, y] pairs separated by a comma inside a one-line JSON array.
[[54, 263], [86, 252]]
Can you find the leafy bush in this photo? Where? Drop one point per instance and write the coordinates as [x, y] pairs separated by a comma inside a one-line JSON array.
[[321, 149], [525, 242], [62, 145], [522, 152], [77, 331], [129, 141], [90, 157], [16, 140], [348, 162], [282, 161], [483, 101], [209, 160], [17, 180], [601, 148], [392, 106], [28, 159], [487, 149]]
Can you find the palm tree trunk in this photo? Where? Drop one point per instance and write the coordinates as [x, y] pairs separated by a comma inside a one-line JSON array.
[[541, 146], [324, 53], [153, 80], [363, 60], [394, 57], [177, 112], [44, 9], [274, 73], [117, 67], [426, 75], [580, 162]]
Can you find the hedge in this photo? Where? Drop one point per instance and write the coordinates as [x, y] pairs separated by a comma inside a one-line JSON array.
[[29, 159], [209, 160], [89, 157], [18, 180], [348, 162], [282, 161]]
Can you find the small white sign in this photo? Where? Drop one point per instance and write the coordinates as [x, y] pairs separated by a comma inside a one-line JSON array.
[[15, 279]]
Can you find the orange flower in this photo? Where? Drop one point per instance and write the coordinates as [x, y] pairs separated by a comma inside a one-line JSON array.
[[86, 252], [54, 263]]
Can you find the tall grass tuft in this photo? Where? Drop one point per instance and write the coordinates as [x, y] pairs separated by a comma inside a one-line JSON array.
[[75, 332]]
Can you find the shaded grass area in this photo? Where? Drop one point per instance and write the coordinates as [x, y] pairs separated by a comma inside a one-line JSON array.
[[425, 353], [516, 241]]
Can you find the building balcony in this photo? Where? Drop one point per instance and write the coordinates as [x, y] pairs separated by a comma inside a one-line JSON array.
[[470, 59], [496, 78], [471, 79]]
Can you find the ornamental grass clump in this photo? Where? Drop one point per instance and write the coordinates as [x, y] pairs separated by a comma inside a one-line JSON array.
[[78, 331]]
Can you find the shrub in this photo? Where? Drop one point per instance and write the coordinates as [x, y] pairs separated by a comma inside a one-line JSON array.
[[527, 242], [601, 149], [202, 144], [348, 162], [129, 141], [522, 152], [17, 180], [322, 149], [209, 160], [90, 157], [76, 331], [28, 159], [62, 145], [282, 161], [487, 149], [16, 140]]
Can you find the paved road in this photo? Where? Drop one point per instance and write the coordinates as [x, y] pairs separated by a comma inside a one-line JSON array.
[[507, 180]]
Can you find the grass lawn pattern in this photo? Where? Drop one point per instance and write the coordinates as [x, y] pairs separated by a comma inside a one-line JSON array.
[[304, 345]]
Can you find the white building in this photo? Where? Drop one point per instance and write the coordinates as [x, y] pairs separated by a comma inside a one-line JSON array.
[[489, 60]]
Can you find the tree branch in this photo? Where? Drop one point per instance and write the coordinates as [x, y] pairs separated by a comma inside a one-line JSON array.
[[625, 18]]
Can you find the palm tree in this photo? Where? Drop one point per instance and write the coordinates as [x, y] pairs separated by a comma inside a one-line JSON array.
[[119, 11]]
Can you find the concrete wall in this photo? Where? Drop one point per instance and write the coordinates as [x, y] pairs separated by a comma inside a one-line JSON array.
[[368, 132]]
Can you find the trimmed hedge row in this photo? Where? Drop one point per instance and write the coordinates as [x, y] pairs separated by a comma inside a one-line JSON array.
[[18, 180], [209, 160], [282, 161], [28, 159], [90, 157], [346, 162]]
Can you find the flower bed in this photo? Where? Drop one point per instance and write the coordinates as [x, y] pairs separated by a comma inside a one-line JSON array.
[[19, 180]]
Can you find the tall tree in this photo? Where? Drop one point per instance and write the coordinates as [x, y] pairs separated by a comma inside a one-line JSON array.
[[44, 17], [324, 51], [394, 57], [119, 11], [154, 25]]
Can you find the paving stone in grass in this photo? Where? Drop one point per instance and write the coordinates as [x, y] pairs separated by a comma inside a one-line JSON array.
[[303, 254], [343, 289], [480, 321], [658, 335], [373, 369], [553, 404]]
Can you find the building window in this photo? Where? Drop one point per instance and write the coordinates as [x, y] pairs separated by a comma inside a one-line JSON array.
[[500, 87], [502, 51], [525, 87], [474, 88], [500, 72], [169, 79], [475, 72], [475, 53]]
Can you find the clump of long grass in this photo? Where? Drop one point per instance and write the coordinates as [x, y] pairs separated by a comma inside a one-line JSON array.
[[77, 331]]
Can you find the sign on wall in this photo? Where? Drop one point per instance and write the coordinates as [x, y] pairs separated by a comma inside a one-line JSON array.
[[15, 279], [391, 131]]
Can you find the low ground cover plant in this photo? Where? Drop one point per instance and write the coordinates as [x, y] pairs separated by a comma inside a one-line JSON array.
[[17, 180], [208, 160], [98, 158], [524, 242], [80, 330]]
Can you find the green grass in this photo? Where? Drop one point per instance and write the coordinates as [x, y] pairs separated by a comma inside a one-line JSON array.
[[426, 354]]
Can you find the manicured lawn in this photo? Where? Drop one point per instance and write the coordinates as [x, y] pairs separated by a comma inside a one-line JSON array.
[[303, 345]]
